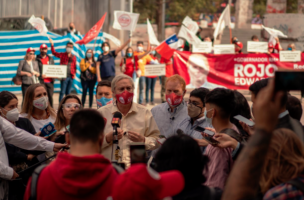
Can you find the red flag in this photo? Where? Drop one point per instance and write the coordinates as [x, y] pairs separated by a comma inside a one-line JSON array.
[[93, 32]]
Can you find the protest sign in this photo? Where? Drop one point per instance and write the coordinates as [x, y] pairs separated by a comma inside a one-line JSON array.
[[290, 56], [224, 49], [38, 24], [202, 47], [261, 47], [55, 71], [230, 71], [155, 70], [125, 20], [190, 24], [276, 6]]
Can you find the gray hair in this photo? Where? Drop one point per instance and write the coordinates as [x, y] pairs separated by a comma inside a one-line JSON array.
[[119, 78]]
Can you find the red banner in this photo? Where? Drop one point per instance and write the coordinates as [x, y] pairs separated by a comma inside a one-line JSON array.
[[230, 71]]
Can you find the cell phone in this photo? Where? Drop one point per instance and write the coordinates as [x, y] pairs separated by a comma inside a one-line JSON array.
[[245, 120], [48, 130], [289, 80], [201, 129], [137, 152]]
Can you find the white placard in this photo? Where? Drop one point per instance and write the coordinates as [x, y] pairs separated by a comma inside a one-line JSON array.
[[203, 47], [55, 71], [224, 49], [290, 56], [260, 47], [155, 70]]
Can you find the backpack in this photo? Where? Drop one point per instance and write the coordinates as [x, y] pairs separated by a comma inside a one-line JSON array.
[[38, 170]]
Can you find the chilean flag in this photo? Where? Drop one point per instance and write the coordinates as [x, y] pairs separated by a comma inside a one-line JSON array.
[[167, 47], [93, 32]]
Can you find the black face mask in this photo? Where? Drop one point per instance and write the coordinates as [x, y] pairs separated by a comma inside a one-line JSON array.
[[71, 27], [43, 53]]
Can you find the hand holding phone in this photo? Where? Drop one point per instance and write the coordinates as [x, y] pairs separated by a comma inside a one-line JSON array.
[[245, 120], [207, 135], [138, 152]]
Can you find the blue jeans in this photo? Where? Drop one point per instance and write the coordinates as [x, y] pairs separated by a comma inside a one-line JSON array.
[[88, 84], [150, 85], [142, 81], [65, 87]]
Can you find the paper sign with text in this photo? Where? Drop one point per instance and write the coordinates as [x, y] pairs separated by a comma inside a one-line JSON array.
[[203, 47], [290, 56], [155, 70], [224, 49], [260, 47], [55, 71]]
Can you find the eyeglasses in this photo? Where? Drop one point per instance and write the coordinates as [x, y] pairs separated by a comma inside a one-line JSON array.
[[76, 106], [193, 102], [31, 54]]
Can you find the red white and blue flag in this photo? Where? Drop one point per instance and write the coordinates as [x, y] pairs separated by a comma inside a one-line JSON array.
[[167, 47]]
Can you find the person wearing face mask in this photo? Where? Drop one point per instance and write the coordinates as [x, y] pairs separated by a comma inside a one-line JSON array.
[[103, 93], [44, 59], [170, 114], [28, 69], [67, 107], [19, 159], [291, 47], [220, 104], [141, 62], [196, 117], [69, 60], [137, 123], [88, 76], [105, 66], [72, 30], [36, 107]]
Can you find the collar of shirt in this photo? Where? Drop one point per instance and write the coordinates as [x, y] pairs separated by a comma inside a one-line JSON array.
[[199, 121], [176, 109], [132, 109], [283, 114]]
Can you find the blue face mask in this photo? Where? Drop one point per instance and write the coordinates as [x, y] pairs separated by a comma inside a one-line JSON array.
[[289, 49], [103, 101], [208, 120], [89, 55], [153, 52], [129, 54]]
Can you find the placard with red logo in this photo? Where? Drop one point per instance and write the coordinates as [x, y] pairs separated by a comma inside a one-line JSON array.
[[125, 20]]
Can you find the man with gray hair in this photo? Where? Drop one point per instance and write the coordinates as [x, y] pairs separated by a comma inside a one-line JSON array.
[[137, 123]]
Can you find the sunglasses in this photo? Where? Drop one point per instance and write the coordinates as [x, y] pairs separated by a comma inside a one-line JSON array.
[[31, 54], [76, 106]]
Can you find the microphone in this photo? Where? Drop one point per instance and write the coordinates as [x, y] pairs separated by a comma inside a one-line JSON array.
[[116, 124]]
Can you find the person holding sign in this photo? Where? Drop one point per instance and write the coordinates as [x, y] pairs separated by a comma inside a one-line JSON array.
[[88, 76], [44, 59], [105, 66], [68, 59], [28, 69]]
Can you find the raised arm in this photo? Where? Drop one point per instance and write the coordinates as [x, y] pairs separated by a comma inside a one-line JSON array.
[[122, 47], [58, 55], [147, 52], [243, 182]]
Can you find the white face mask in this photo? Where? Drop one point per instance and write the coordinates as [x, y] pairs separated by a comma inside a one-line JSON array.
[[12, 115], [140, 49], [41, 103], [106, 49], [68, 50]]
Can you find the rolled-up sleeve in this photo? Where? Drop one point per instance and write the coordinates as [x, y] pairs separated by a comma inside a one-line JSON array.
[[23, 139], [152, 132]]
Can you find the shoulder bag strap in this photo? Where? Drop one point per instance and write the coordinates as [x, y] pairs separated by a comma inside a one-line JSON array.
[[298, 184], [34, 182]]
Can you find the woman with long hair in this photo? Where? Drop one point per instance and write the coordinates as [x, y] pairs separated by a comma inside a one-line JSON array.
[[28, 69], [88, 76], [284, 162], [67, 107], [128, 64], [36, 107]]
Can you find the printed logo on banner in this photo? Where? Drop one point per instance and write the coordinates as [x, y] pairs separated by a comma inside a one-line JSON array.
[[191, 27], [124, 20]]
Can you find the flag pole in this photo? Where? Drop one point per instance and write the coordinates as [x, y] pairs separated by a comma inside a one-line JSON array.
[[230, 34]]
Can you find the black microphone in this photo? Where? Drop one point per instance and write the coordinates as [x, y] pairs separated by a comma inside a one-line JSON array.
[[116, 124]]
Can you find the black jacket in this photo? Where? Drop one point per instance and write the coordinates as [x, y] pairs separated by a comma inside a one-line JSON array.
[[40, 65]]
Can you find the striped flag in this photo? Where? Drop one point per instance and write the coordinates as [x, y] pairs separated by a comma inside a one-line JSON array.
[[13, 46]]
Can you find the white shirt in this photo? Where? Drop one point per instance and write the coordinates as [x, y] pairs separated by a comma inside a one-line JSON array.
[[20, 138], [38, 124]]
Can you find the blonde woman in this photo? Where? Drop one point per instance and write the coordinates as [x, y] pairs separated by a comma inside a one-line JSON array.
[[28, 69], [284, 162]]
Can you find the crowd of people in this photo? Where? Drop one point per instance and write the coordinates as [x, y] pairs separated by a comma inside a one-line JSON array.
[[194, 147]]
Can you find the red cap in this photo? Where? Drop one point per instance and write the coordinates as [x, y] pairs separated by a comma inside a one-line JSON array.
[[270, 45], [43, 46], [30, 49], [240, 44], [140, 182]]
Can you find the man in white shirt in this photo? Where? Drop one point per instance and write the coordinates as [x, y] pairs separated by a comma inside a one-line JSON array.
[[22, 139]]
